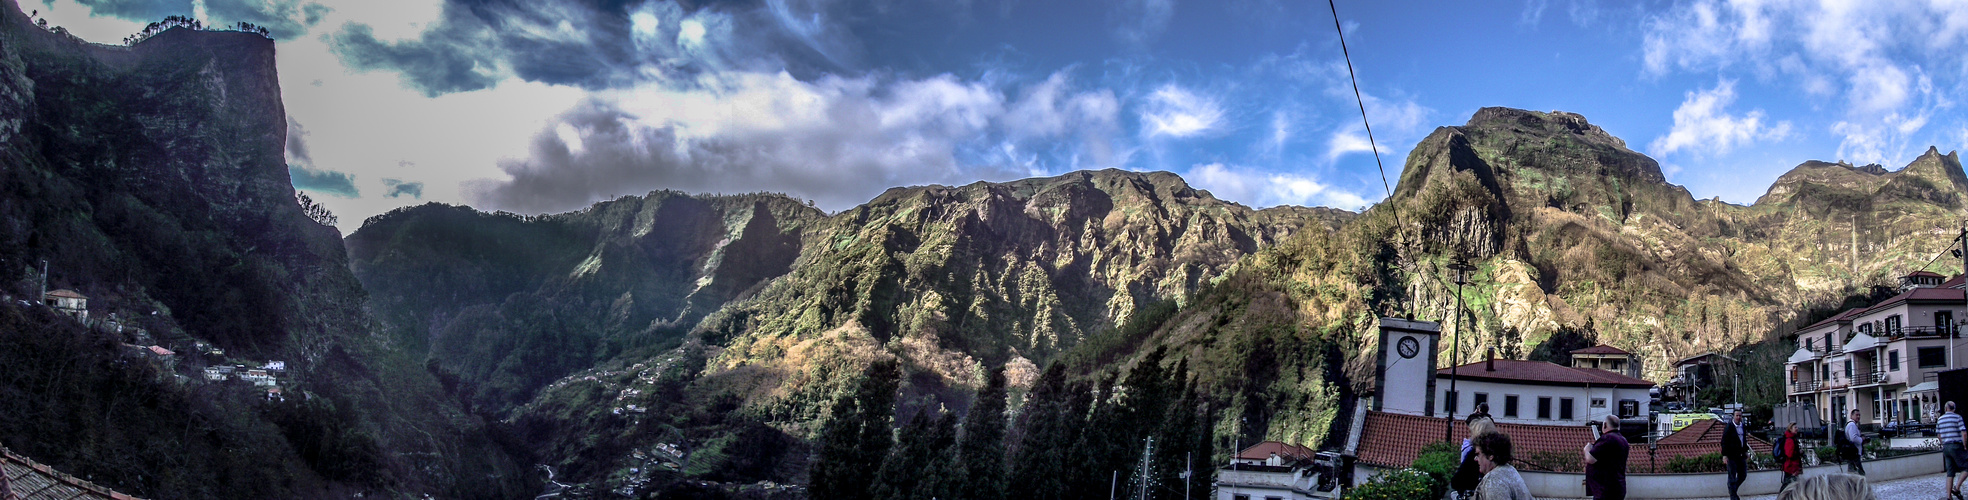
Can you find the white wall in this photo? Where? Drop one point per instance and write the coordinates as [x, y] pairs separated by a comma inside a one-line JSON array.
[[1404, 383], [1527, 401], [1713, 485]]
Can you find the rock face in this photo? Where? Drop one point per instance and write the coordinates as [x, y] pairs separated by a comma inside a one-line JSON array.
[[152, 179], [768, 306]]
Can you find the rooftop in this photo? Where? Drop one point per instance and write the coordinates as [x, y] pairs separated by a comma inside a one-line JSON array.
[[1396, 440], [1540, 372], [1601, 349], [1264, 450], [31, 480], [66, 294]]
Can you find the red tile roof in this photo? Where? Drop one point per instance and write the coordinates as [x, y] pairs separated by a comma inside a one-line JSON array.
[[1697, 439], [1541, 372], [1955, 282], [160, 351], [1264, 450], [1394, 440], [31, 480], [1840, 317], [1601, 349], [1920, 294], [66, 294]]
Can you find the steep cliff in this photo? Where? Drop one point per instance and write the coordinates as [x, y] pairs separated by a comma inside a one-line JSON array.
[[152, 179]]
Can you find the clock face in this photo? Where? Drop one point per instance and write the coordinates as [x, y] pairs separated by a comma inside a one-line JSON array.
[[1408, 347]]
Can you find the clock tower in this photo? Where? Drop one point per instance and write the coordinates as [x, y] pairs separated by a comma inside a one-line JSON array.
[[1404, 370]]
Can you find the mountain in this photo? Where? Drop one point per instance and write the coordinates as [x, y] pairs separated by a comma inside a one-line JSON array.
[[738, 316], [151, 179], [625, 365]]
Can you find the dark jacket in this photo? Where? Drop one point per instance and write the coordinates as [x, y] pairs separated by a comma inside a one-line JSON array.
[[1467, 475], [1734, 444], [1608, 472]]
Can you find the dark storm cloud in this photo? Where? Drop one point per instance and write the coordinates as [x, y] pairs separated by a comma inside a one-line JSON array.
[[448, 59], [323, 181], [842, 162], [395, 188]]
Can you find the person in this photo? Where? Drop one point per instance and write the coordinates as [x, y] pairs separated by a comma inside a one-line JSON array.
[[1482, 411], [1954, 459], [1500, 479], [1735, 452], [1469, 473], [1833, 486], [1854, 443], [1605, 463], [1790, 453]]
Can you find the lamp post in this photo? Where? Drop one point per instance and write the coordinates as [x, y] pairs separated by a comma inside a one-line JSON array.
[[1462, 268]]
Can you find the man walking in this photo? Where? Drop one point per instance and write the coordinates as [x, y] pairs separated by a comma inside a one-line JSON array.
[[1735, 451], [1855, 443], [1605, 462], [1954, 459]]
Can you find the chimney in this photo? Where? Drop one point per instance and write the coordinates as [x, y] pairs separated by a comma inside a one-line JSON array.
[[1491, 365]]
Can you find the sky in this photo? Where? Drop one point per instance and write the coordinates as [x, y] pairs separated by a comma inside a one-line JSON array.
[[546, 106]]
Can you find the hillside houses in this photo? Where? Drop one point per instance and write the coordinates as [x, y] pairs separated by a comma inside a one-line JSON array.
[[1881, 359]]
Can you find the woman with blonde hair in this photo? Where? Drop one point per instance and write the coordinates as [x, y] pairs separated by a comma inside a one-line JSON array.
[[1468, 473], [1834, 486]]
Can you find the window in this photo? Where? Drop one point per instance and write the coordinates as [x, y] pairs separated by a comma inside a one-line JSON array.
[[1482, 398], [1892, 324], [1598, 402], [1848, 367], [1943, 321], [1241, 497], [1449, 401], [1827, 342], [1544, 408], [1615, 366], [1824, 372], [1893, 359], [1807, 344], [1510, 406], [1564, 408], [1932, 357], [1864, 328]]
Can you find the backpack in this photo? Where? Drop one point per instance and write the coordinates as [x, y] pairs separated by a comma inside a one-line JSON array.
[[1839, 440]]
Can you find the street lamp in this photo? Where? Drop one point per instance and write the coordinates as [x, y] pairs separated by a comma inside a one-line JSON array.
[[1462, 268]]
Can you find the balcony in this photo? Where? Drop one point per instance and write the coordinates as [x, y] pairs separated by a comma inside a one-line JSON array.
[[1806, 386], [1868, 378], [1920, 332]]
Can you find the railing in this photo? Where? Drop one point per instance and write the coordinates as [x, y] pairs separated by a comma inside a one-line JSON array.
[[1803, 386], [1868, 378], [1943, 331]]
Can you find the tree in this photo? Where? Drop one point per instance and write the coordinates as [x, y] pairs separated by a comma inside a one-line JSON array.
[[855, 439], [981, 449], [314, 210], [1051, 421]]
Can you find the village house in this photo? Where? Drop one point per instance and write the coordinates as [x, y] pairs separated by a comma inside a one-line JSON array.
[[1695, 373], [1548, 410], [1609, 358], [1883, 359], [68, 302], [1277, 471]]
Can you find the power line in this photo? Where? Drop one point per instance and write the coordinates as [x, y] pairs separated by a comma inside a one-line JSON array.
[[1362, 102]]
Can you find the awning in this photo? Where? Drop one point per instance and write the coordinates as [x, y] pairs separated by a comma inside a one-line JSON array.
[[1928, 386], [1802, 355], [1861, 342]]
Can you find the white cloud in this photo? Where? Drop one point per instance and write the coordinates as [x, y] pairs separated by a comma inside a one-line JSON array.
[[1703, 124], [1176, 112], [1052, 109], [1873, 61], [1394, 123], [1138, 22], [1266, 189]]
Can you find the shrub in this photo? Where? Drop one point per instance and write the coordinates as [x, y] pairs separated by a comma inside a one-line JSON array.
[[1705, 463], [1440, 466], [1402, 484]]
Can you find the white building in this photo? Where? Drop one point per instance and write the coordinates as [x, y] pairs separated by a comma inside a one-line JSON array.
[[1881, 359], [1276, 471], [68, 302], [1538, 392]]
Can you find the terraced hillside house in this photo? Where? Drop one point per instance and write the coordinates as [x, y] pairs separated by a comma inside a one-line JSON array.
[[68, 302], [1884, 359], [1608, 358], [1273, 470]]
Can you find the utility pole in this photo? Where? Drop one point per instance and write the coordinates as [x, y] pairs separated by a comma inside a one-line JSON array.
[[44, 282], [1462, 268], [1147, 453]]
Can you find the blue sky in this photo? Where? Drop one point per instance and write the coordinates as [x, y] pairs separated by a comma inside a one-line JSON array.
[[549, 105]]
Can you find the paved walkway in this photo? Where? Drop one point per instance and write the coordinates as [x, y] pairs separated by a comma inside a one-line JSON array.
[[1931, 486]]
